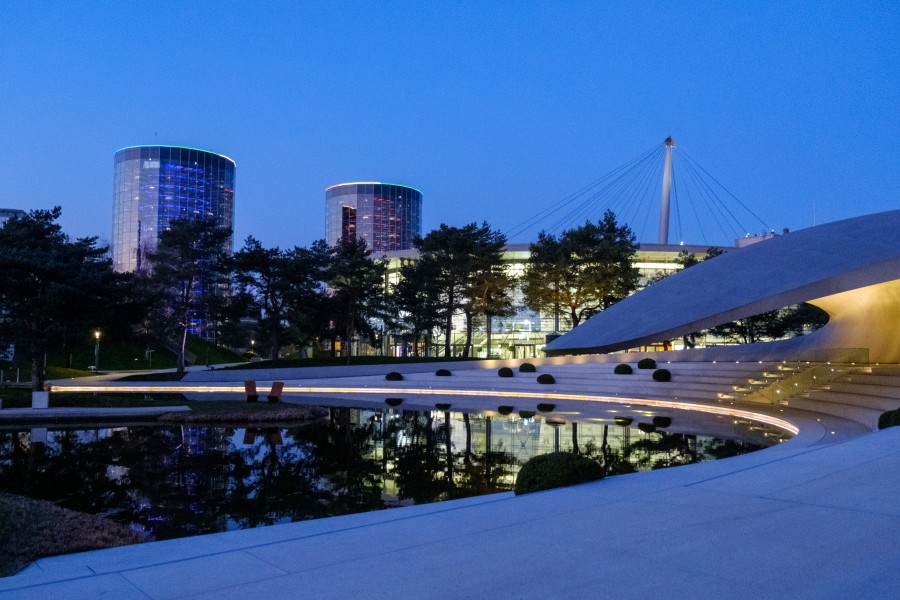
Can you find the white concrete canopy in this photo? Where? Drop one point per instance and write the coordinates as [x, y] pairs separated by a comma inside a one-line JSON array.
[[850, 268]]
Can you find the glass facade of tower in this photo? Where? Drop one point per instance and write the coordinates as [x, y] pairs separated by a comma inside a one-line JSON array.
[[8, 213], [157, 184], [388, 216]]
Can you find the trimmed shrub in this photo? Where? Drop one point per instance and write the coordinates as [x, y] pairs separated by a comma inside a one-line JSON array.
[[526, 414], [442, 406], [623, 421], [393, 401], [557, 469], [647, 427], [394, 376], [545, 378], [505, 372], [646, 363], [527, 368], [890, 418], [543, 407], [662, 422], [662, 375], [623, 369], [442, 373], [505, 410]]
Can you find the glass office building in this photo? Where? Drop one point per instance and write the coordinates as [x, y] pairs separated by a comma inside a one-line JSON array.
[[387, 215], [155, 185], [8, 213]]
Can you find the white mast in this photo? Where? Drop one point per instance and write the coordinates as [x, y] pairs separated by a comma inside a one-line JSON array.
[[666, 193]]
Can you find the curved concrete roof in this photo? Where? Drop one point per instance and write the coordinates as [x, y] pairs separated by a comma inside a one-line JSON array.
[[817, 263]]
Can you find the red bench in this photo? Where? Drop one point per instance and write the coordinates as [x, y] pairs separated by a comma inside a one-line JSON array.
[[250, 390], [275, 394]]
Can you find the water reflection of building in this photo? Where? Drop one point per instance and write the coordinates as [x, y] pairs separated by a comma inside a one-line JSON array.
[[510, 441]]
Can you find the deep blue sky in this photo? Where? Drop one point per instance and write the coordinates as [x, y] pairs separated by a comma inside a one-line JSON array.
[[494, 110]]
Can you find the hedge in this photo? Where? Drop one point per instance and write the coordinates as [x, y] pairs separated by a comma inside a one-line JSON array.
[[890, 418], [662, 375], [394, 376], [646, 363], [505, 410], [442, 373], [505, 372], [557, 469], [393, 401], [527, 368], [442, 406], [623, 369], [544, 407], [545, 378], [623, 421]]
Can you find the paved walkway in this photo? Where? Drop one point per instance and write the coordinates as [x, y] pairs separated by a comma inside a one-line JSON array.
[[806, 519]]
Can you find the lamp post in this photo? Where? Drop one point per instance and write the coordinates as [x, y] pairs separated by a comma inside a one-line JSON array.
[[97, 351]]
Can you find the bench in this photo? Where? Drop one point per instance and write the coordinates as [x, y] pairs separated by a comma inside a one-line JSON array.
[[250, 390], [275, 394]]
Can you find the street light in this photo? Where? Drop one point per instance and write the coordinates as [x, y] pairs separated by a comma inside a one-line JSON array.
[[97, 350]]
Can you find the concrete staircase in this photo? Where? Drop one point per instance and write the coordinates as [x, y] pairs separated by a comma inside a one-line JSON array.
[[861, 394]]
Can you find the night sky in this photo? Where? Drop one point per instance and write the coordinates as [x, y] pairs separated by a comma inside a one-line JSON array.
[[494, 110]]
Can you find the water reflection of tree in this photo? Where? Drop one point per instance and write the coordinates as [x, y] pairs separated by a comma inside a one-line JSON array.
[[347, 464], [274, 480], [486, 473], [663, 449], [183, 481], [715, 448], [413, 445]]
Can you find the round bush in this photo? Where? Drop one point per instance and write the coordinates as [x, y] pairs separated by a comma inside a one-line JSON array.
[[393, 401], [442, 373], [545, 378], [890, 418], [527, 368], [646, 427], [442, 406], [623, 369], [505, 372], [557, 469], [543, 407], [505, 410], [623, 421], [662, 422], [646, 363], [526, 414], [394, 376], [662, 375]]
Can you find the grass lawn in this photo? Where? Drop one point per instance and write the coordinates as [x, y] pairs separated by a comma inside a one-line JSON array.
[[206, 411], [31, 529]]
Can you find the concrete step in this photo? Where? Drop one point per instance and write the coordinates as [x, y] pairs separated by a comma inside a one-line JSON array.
[[866, 416], [875, 402], [869, 384]]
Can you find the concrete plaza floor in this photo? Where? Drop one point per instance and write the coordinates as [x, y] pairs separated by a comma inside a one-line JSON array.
[[817, 517]]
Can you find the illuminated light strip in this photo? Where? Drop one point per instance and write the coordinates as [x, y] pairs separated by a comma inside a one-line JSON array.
[[704, 408], [372, 183], [180, 148]]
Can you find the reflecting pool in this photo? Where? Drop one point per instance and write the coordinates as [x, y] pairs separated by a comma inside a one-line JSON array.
[[188, 480]]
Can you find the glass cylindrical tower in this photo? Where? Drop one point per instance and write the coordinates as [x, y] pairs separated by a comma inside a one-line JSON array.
[[154, 185], [387, 215]]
